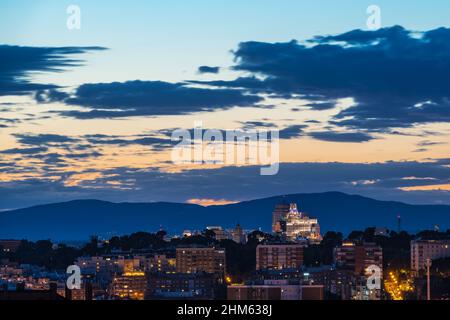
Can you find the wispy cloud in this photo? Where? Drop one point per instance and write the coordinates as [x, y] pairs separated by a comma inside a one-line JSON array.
[[18, 62]]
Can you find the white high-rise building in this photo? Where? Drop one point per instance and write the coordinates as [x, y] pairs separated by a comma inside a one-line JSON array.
[[421, 250], [298, 224]]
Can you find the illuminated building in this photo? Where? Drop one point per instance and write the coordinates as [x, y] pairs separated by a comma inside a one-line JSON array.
[[279, 216], [238, 235], [337, 282], [129, 286], [219, 233], [158, 263], [275, 290], [361, 259], [421, 250], [366, 255], [287, 220], [279, 274], [344, 255], [180, 286], [358, 257], [201, 259], [360, 291], [187, 233], [253, 292], [107, 264], [279, 256], [299, 225], [84, 293]]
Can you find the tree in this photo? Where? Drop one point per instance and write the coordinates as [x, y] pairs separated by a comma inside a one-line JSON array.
[[356, 235]]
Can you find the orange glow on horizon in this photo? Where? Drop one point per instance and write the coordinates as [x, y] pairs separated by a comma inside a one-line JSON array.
[[433, 187], [210, 202]]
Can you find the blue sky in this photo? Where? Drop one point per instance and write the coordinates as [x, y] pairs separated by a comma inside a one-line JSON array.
[[92, 131], [170, 39]]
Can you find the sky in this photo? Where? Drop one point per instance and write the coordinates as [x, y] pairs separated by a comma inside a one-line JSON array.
[[89, 112]]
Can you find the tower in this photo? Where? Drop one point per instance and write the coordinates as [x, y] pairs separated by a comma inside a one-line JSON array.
[[279, 214], [293, 212]]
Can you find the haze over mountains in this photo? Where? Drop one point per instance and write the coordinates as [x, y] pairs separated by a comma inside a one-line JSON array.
[[77, 220]]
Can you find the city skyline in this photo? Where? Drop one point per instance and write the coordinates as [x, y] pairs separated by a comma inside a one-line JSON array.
[[88, 113], [214, 157]]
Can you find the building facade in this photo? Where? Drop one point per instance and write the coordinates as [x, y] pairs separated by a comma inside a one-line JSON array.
[[299, 225], [275, 290], [362, 259], [129, 286], [358, 257], [238, 235], [180, 286], [421, 250], [279, 256], [278, 216], [288, 221], [201, 259], [254, 292]]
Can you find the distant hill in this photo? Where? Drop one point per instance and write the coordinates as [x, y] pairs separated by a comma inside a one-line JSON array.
[[77, 220]]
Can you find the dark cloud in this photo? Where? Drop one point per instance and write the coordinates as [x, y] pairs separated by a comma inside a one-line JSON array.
[[51, 159], [294, 131], [8, 122], [251, 125], [207, 69], [33, 150], [85, 155], [50, 95], [397, 77], [156, 143], [143, 98], [251, 83], [17, 63], [319, 106], [87, 142], [290, 132], [341, 136], [427, 143], [44, 139]]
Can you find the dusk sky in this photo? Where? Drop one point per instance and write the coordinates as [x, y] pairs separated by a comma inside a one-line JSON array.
[[88, 113]]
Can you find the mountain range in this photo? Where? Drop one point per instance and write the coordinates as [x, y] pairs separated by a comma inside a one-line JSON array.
[[77, 220]]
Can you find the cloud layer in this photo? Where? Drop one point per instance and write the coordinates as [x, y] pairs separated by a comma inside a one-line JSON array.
[[144, 98], [397, 77], [17, 63], [378, 180]]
